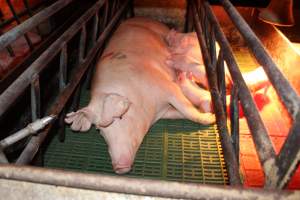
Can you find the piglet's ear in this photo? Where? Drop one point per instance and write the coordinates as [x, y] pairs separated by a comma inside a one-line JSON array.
[[114, 106]]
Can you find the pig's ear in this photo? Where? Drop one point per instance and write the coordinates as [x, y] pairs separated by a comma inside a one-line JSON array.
[[114, 106]]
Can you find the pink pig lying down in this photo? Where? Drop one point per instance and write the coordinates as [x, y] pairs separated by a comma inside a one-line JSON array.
[[131, 89], [186, 56]]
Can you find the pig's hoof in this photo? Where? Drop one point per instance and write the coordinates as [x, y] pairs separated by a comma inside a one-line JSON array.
[[80, 120], [207, 118]]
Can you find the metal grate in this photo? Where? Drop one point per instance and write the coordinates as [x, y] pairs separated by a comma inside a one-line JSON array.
[[177, 150]]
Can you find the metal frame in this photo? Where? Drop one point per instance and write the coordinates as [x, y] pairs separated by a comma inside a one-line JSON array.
[[277, 169], [69, 88]]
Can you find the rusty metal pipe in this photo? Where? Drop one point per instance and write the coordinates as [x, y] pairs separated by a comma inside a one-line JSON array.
[[34, 144], [228, 149], [119, 184], [30, 23]]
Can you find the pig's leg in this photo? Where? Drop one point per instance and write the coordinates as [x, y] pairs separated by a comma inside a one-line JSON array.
[[172, 113], [81, 120], [102, 111], [184, 106]]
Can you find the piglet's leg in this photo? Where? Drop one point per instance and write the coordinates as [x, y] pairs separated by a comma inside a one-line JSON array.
[[172, 113], [184, 106]]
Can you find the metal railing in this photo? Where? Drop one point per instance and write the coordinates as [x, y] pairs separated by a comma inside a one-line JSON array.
[[110, 13], [278, 169]]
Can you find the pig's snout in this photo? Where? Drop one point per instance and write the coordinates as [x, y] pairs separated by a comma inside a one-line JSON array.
[[122, 164]]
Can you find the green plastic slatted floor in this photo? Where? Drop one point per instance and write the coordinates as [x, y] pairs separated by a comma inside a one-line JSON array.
[[177, 150]]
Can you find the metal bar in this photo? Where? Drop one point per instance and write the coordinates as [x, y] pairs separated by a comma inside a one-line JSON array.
[[19, 22], [282, 86], [41, 47], [30, 129], [63, 67], [21, 14], [221, 79], [231, 162], [234, 121], [261, 139], [82, 44], [62, 85], [95, 28], [30, 23], [35, 98], [188, 25], [121, 184], [3, 159], [28, 9], [289, 155], [20, 84], [62, 99]]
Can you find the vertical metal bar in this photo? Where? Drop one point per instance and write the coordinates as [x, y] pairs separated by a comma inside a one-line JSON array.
[[231, 162], [82, 44], [95, 28], [212, 45], [35, 98], [63, 68], [9, 48], [221, 79], [289, 155], [29, 11], [131, 9], [19, 22], [188, 26], [3, 159], [234, 121], [62, 85]]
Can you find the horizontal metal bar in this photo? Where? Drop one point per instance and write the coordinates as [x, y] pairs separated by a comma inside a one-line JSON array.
[[9, 96], [261, 138], [282, 86], [228, 149], [30, 23], [121, 184], [34, 144]]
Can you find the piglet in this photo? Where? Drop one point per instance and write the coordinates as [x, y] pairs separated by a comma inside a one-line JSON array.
[[198, 96], [131, 89], [186, 56]]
